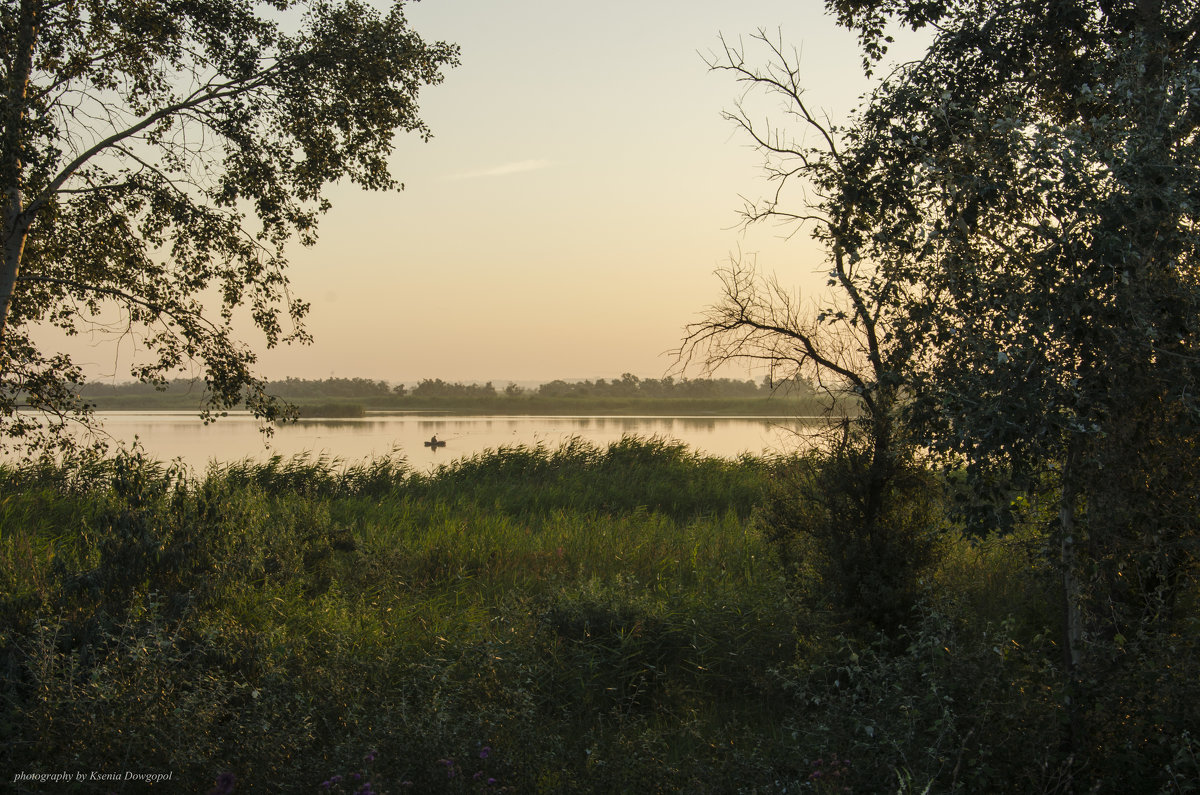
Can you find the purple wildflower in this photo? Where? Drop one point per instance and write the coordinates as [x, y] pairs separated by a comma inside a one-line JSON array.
[[224, 786], [485, 752]]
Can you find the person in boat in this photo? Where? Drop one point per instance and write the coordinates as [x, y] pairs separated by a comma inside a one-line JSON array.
[[433, 442]]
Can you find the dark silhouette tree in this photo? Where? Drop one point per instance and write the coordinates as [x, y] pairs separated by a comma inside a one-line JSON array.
[[1036, 179], [852, 517]]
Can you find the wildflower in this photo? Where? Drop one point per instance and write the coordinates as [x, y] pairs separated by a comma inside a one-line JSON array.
[[478, 775], [485, 751], [224, 786], [370, 757], [491, 782], [356, 776]]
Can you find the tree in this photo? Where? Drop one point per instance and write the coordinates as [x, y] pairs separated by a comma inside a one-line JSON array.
[[160, 157], [864, 516], [1037, 173]]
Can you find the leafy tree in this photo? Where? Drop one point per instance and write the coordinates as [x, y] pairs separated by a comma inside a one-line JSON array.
[[1033, 179], [329, 388], [160, 156], [437, 388]]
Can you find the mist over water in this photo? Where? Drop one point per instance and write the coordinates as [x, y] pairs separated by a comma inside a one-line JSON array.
[[171, 435]]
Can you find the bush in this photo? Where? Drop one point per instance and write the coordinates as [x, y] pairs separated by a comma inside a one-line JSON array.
[[858, 535], [939, 707]]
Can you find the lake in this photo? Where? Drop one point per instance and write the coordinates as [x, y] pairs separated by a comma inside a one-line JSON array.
[[167, 435]]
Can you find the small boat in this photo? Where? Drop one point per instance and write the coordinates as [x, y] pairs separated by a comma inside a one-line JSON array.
[[434, 443]]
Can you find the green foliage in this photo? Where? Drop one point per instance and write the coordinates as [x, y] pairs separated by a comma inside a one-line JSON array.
[[437, 388], [160, 157], [1030, 187], [859, 534], [630, 474], [630, 385], [954, 709], [282, 621], [329, 388]]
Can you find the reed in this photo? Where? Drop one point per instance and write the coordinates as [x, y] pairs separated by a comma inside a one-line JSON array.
[[583, 618]]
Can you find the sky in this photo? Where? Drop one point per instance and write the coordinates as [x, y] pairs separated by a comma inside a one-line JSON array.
[[567, 217]]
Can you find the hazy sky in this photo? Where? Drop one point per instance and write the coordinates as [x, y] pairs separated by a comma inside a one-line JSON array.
[[567, 217]]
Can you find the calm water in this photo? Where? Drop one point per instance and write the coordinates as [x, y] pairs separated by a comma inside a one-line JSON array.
[[170, 435]]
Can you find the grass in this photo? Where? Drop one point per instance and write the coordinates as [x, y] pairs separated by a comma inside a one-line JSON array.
[[528, 620]]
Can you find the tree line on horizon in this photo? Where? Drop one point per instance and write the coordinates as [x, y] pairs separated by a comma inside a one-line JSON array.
[[627, 386]]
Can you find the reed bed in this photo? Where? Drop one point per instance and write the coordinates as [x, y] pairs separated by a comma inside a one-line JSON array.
[[277, 619], [529, 620]]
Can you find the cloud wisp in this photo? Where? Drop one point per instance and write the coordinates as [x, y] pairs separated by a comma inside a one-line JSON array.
[[504, 170]]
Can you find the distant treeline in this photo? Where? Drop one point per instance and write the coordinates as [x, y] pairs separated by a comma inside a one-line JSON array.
[[631, 386], [177, 386], [627, 386]]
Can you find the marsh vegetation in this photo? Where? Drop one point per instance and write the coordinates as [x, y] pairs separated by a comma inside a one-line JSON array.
[[579, 619]]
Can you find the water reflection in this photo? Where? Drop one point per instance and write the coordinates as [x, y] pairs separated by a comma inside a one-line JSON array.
[[170, 435]]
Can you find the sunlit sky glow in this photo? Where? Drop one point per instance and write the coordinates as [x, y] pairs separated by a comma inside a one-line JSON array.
[[567, 217]]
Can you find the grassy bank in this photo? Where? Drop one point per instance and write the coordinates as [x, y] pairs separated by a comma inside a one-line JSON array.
[[575, 620]]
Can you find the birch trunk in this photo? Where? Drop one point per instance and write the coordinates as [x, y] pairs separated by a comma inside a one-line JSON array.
[[16, 220], [1072, 593]]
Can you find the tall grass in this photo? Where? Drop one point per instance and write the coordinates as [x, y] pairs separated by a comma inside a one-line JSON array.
[[527, 620], [275, 619]]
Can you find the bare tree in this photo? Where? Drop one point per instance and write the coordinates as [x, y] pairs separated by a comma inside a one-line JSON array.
[[845, 342]]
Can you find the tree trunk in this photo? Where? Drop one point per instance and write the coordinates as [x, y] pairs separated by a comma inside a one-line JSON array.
[[15, 232], [16, 221], [1072, 594]]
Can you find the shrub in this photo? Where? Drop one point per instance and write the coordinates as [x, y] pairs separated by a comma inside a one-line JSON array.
[[857, 535]]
